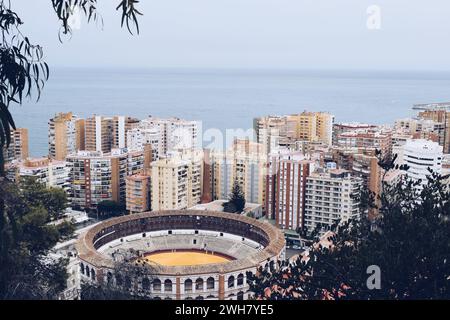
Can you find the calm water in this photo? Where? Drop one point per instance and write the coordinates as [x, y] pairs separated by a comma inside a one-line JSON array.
[[228, 98]]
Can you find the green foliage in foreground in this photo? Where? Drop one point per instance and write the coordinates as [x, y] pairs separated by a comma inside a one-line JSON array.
[[109, 208], [410, 243], [25, 240]]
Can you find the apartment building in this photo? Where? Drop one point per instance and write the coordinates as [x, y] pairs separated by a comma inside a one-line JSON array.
[[286, 130], [245, 162], [138, 192], [176, 181], [95, 176], [53, 173], [423, 129], [121, 125], [285, 188], [66, 135], [361, 162], [18, 148], [138, 138], [379, 138], [98, 134], [439, 113], [208, 194], [329, 198], [340, 128], [176, 134]]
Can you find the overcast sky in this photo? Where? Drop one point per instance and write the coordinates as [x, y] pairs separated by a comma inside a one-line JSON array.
[[313, 34]]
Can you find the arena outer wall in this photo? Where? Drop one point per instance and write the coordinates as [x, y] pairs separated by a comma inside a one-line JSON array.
[[221, 281]]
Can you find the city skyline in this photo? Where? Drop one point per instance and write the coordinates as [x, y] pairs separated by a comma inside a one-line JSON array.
[[254, 150]]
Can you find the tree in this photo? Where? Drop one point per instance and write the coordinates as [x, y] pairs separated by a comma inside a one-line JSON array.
[[23, 70], [23, 73], [36, 193], [236, 202], [109, 208], [409, 244], [26, 240]]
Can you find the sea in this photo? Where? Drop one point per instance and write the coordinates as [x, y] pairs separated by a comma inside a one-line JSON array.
[[227, 98]]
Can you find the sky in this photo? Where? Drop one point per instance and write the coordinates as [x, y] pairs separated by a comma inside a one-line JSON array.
[[287, 34]]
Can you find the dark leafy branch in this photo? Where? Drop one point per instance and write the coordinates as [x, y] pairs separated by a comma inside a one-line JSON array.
[[23, 70], [25, 237], [64, 10], [410, 245]]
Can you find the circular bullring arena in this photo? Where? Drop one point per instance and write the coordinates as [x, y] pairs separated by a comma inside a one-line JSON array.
[[189, 254]]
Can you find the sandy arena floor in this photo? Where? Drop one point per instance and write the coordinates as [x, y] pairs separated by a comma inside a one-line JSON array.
[[184, 258]]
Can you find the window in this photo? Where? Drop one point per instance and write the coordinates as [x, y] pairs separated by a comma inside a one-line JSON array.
[[82, 268], [168, 286], [210, 283], [240, 279], [188, 285], [231, 282], [156, 285], [199, 284]]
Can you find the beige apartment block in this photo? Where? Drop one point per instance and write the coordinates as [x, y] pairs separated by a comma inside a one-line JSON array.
[[339, 128], [18, 148], [287, 130], [98, 134], [65, 135], [176, 181], [379, 138], [138, 192], [245, 162], [439, 113]]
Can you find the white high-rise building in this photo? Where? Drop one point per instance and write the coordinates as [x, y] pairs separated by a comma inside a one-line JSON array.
[[421, 155], [53, 173], [176, 134], [137, 138], [330, 198]]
